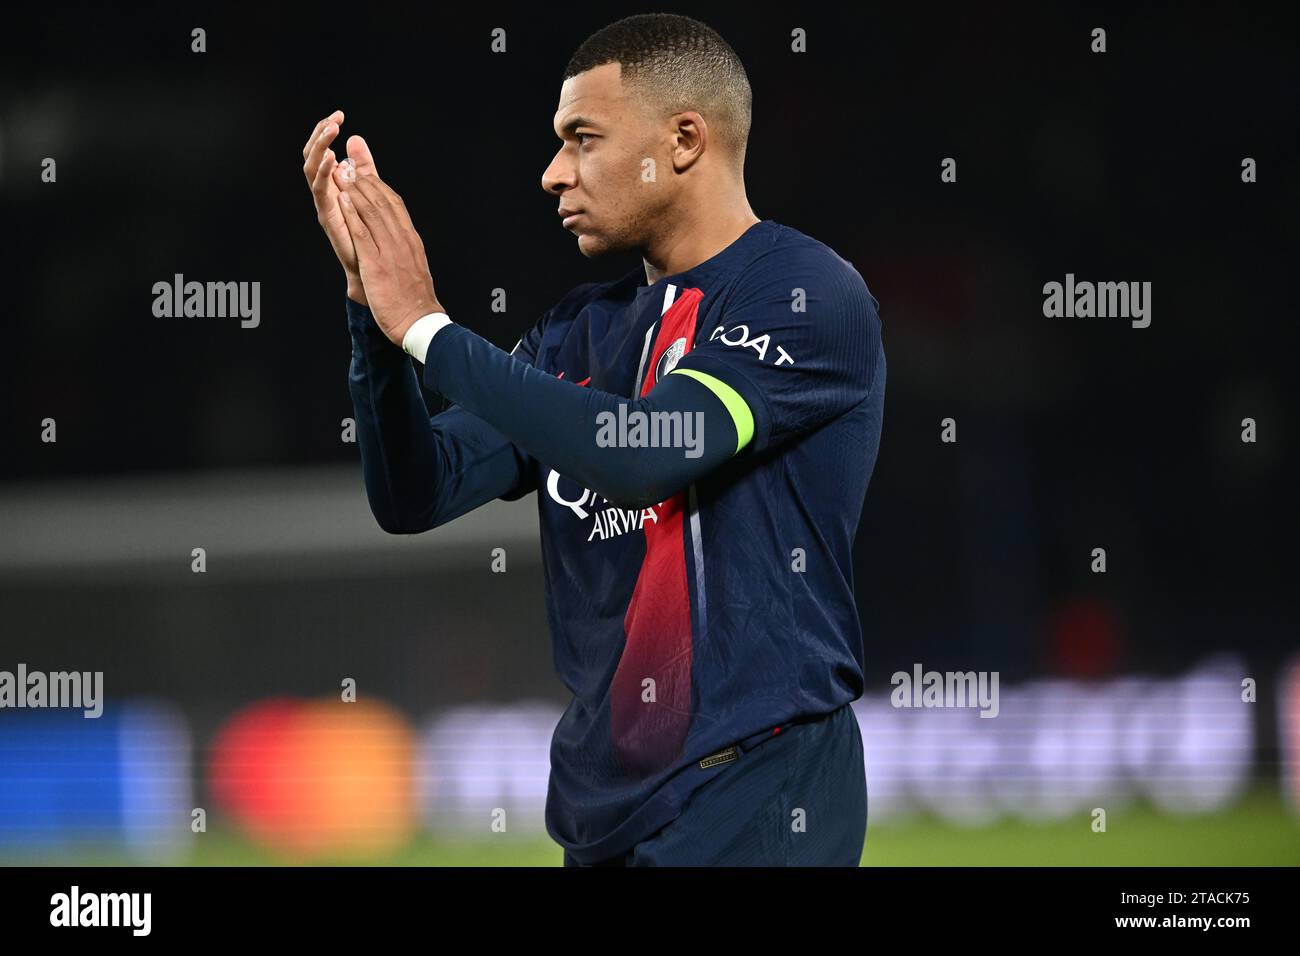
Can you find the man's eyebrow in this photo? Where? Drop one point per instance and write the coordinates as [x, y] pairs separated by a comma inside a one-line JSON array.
[[572, 125]]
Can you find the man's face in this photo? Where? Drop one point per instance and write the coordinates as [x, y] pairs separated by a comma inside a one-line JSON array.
[[600, 171]]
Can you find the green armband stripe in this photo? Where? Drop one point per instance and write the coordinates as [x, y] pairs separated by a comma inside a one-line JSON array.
[[740, 413]]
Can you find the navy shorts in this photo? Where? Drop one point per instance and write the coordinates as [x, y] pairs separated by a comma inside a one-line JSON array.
[[799, 798]]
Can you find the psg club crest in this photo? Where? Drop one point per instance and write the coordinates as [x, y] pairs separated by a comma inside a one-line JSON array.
[[668, 361]]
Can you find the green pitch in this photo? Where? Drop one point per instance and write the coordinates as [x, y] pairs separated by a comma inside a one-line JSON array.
[[1260, 830]]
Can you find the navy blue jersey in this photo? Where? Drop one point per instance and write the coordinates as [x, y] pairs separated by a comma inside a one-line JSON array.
[[693, 603], [728, 609]]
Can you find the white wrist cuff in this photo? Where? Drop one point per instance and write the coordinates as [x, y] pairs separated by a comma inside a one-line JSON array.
[[421, 333]]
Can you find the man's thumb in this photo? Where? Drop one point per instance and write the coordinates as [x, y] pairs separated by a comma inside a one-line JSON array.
[[360, 155]]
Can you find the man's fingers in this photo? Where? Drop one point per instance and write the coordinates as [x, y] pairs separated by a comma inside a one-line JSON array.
[[362, 238], [369, 204], [321, 182], [320, 125], [319, 142], [372, 189], [336, 117], [387, 204], [395, 203], [373, 202], [318, 149]]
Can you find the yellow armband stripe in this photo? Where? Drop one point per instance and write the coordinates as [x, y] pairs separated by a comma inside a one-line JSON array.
[[740, 413]]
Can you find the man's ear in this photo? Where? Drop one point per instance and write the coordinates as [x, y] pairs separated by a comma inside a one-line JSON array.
[[690, 139]]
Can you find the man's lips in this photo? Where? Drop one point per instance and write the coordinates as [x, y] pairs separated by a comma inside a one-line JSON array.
[[568, 216]]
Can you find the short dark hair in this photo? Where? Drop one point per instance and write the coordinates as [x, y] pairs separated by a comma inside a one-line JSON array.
[[677, 63]]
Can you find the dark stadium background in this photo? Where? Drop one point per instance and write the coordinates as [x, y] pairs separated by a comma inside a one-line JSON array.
[[1072, 433]]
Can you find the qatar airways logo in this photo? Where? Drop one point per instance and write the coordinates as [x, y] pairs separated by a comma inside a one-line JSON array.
[[607, 520]]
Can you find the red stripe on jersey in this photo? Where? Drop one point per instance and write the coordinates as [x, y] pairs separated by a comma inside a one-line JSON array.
[[648, 734]]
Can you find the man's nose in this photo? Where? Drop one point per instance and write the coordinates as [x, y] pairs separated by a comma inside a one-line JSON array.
[[560, 175]]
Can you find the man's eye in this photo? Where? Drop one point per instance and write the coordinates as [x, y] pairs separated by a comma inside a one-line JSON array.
[[580, 136]]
